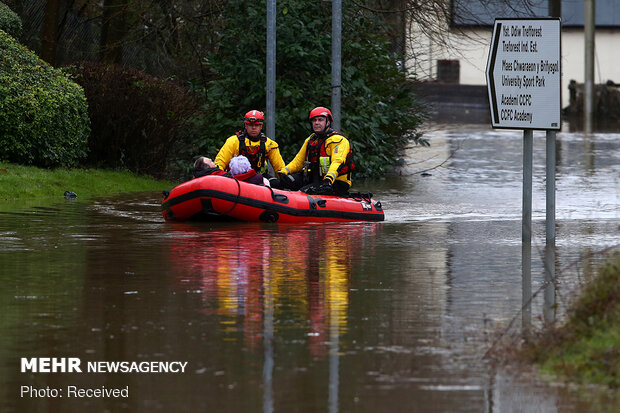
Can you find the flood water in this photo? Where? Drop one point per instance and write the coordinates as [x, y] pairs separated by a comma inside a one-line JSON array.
[[359, 317]]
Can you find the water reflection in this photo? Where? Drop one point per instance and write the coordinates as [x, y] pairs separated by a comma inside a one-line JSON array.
[[549, 307], [263, 280], [302, 273], [548, 287], [526, 288]]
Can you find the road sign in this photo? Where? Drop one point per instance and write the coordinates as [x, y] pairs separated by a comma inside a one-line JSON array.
[[524, 74]]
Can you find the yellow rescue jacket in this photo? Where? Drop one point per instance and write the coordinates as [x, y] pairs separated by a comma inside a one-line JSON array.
[[230, 149], [337, 149]]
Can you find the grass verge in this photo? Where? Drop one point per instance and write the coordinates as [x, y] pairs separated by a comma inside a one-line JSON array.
[[26, 182], [586, 349]]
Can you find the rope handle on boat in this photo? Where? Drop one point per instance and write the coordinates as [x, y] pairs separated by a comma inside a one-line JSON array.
[[236, 199], [277, 197], [359, 197]]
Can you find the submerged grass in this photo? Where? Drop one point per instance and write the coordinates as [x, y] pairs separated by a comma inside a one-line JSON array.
[[586, 349], [25, 182]]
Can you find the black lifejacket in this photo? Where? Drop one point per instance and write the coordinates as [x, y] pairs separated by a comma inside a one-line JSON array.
[[256, 154], [316, 150]]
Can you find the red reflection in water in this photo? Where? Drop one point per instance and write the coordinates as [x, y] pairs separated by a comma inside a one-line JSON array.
[[244, 271]]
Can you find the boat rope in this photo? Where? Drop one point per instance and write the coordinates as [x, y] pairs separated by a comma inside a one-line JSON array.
[[277, 197], [236, 199], [273, 194]]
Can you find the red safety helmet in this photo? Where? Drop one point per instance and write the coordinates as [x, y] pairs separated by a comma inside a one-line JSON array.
[[254, 116], [321, 111]]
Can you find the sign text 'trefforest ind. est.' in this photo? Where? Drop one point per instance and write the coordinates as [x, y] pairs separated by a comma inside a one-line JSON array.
[[524, 74]]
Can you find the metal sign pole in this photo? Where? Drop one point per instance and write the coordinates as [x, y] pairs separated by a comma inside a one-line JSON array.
[[528, 149], [550, 188]]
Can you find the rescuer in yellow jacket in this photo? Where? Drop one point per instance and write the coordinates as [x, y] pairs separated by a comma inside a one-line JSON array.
[[324, 163], [253, 144]]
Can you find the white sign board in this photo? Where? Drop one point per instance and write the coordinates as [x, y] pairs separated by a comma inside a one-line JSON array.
[[524, 74]]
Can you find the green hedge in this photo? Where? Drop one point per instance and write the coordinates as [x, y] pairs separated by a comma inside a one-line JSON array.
[[10, 21], [138, 120], [43, 114]]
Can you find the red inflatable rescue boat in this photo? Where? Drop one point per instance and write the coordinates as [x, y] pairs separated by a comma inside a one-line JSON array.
[[217, 198]]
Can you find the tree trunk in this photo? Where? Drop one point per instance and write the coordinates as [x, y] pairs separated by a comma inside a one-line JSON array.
[[113, 31], [15, 5], [396, 21], [49, 31], [555, 8]]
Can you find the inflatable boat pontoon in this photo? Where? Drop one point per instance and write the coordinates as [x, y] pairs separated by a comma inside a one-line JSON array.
[[217, 198]]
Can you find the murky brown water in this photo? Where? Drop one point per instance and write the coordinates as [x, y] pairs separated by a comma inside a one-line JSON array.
[[365, 317]]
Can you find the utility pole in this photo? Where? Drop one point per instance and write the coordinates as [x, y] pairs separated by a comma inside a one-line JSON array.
[[270, 105], [588, 26], [555, 8], [336, 61]]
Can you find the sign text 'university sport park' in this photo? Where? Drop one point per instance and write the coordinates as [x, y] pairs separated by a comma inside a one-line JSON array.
[[524, 74]]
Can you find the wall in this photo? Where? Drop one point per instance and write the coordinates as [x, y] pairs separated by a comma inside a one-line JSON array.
[[472, 49]]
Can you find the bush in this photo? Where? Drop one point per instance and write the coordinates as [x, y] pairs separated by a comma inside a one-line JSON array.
[[136, 118], [585, 348], [43, 114], [10, 21]]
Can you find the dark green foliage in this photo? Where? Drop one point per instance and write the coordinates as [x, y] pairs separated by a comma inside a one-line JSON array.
[[136, 118], [43, 114], [379, 111], [585, 348], [599, 303], [10, 21]]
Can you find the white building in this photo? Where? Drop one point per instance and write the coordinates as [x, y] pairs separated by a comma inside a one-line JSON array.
[[464, 43]]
